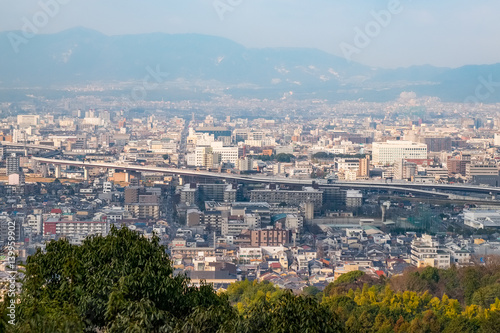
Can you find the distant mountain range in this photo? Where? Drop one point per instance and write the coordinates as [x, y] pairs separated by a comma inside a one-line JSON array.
[[79, 56]]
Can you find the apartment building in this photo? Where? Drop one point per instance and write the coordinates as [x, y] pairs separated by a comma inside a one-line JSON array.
[[387, 153], [74, 229], [270, 237], [426, 251], [290, 197]]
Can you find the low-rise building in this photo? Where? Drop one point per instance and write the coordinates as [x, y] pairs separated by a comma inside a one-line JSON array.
[[482, 218], [75, 229], [270, 237], [426, 251]]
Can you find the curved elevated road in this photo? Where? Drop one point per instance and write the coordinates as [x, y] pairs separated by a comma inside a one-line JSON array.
[[425, 189]]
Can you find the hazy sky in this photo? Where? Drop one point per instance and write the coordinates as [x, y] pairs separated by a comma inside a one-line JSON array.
[[448, 33]]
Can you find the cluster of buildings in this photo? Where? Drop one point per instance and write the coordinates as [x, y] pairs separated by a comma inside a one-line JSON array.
[[315, 223], [302, 260]]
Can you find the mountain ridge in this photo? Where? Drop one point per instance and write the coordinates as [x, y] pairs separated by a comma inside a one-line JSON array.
[[83, 56]]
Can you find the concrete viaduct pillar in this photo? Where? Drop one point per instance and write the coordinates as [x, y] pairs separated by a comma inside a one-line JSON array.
[[58, 171]]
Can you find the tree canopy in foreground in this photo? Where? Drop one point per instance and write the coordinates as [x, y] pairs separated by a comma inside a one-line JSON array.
[[125, 283]]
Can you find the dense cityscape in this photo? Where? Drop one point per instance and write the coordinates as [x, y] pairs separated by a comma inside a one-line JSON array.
[[296, 200], [231, 166]]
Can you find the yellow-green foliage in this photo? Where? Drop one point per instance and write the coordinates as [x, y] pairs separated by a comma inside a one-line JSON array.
[[376, 310], [125, 283], [245, 293]]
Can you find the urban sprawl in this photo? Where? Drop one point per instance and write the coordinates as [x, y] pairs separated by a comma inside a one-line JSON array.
[[293, 192]]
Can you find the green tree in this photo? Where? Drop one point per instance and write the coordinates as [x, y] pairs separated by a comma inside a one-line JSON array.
[[472, 282], [430, 274], [361, 323], [119, 283], [462, 325], [311, 291], [288, 314], [247, 292], [348, 277], [486, 295], [284, 158], [491, 324]]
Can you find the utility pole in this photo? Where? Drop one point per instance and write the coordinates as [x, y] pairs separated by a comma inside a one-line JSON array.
[[215, 245], [25, 148]]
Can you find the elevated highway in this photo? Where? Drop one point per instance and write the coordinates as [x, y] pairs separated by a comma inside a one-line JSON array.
[[28, 145], [444, 187], [426, 189]]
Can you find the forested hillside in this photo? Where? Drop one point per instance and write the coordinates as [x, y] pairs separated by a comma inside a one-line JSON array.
[[125, 283]]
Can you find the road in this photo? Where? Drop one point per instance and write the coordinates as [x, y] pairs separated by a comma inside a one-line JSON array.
[[260, 179]]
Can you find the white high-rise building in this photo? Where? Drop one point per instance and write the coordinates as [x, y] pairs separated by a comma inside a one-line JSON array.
[[245, 164], [496, 141], [227, 154], [385, 153], [28, 120], [213, 156], [12, 164]]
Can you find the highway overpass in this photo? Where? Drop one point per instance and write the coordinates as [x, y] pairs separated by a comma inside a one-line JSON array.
[[28, 145], [245, 178], [444, 187]]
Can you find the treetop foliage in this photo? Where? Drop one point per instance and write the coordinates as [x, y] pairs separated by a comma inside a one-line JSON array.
[[282, 157], [125, 283], [330, 156]]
